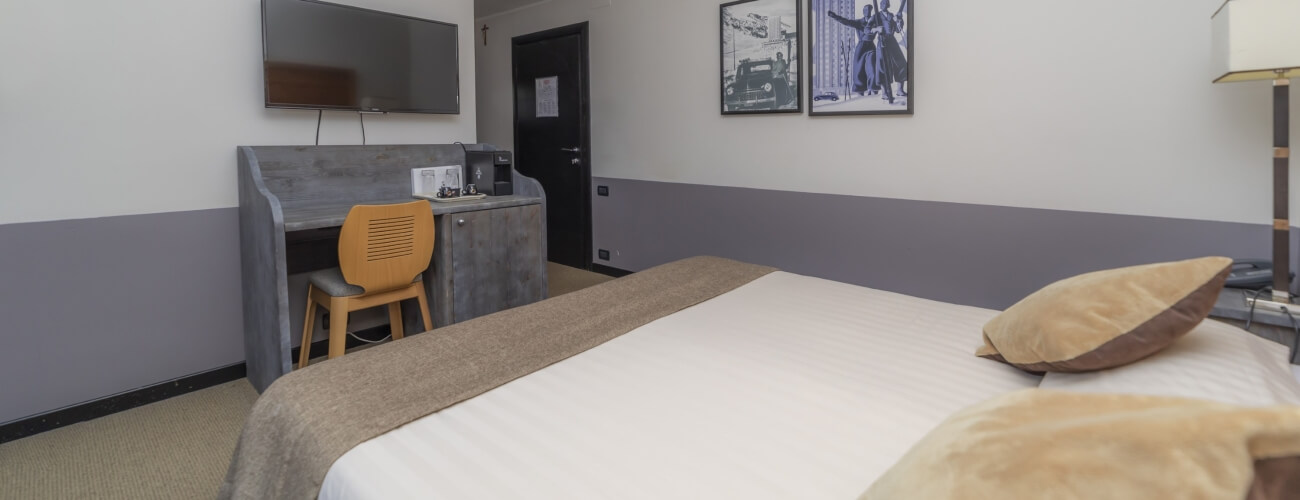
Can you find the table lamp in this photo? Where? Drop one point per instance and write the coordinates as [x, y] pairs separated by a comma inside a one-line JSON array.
[[1260, 40]]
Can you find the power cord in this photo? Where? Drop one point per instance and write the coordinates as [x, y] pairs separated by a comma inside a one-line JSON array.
[[1255, 300], [363, 127], [353, 335], [1295, 341], [463, 148], [319, 113]]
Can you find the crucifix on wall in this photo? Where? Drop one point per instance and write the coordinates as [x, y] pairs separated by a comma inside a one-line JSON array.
[[485, 29]]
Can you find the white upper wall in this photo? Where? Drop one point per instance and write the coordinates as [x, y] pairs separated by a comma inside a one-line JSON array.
[[1061, 105], [136, 106]]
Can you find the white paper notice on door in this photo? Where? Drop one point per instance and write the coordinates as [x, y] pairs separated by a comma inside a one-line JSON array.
[[548, 97]]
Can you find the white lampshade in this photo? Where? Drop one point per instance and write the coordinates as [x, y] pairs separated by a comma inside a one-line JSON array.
[[1255, 38]]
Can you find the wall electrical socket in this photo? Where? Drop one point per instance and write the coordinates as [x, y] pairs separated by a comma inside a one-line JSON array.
[[602, 190], [602, 254]]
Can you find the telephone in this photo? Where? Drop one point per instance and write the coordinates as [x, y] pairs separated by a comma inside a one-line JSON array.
[[1251, 274]]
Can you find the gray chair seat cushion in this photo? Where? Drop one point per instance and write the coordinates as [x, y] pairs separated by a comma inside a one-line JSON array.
[[332, 283]]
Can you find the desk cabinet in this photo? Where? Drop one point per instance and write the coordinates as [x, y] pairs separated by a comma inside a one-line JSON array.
[[494, 259]]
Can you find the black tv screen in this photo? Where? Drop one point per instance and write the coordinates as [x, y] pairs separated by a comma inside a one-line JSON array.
[[319, 55]]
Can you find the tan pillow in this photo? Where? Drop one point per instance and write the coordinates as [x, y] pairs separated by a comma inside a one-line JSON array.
[[1107, 318], [1039, 443]]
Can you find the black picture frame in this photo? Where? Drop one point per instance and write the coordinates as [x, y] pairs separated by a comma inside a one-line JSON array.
[[841, 58], [733, 63]]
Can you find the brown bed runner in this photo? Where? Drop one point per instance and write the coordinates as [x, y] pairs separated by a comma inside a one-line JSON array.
[[309, 418]]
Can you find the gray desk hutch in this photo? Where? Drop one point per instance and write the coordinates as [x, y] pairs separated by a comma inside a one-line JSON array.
[[489, 254]]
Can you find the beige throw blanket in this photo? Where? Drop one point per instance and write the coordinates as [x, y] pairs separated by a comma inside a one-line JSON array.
[[309, 418]]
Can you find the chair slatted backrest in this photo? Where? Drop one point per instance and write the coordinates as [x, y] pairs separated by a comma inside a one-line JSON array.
[[383, 247]]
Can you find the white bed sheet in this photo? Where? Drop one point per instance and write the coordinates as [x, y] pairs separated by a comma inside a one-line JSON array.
[[787, 387], [1215, 361]]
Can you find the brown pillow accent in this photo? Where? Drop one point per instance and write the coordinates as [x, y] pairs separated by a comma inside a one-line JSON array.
[[1107, 318], [1276, 479], [1039, 443]]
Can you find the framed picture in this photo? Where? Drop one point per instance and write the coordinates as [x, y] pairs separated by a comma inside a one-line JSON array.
[[860, 57], [761, 52]]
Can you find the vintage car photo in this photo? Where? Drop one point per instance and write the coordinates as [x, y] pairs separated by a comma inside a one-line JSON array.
[[759, 85], [761, 48]]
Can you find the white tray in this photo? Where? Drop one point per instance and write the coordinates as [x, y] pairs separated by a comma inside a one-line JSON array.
[[467, 197]]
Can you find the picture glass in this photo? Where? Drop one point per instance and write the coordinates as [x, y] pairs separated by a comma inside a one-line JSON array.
[[860, 56], [760, 57]]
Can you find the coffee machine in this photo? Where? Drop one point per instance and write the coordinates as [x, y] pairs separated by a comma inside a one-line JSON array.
[[491, 172]]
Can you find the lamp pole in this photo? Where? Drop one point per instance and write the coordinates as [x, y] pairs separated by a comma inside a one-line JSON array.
[[1281, 189]]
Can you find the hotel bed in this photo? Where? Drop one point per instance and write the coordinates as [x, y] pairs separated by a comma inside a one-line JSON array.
[[784, 386]]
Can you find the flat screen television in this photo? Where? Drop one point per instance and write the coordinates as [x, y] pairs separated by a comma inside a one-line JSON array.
[[318, 55]]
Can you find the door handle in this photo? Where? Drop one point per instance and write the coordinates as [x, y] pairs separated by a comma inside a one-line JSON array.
[[460, 222], [571, 150]]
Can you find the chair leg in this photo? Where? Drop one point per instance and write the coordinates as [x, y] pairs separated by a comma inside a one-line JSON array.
[[338, 326], [307, 325], [424, 306], [395, 319]]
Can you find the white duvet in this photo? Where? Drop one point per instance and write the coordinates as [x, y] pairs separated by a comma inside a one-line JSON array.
[[787, 387]]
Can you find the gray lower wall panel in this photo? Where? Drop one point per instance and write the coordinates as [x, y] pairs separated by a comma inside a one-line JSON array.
[[95, 307], [986, 256]]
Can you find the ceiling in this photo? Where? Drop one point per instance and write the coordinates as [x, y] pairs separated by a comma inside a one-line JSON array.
[[484, 8]]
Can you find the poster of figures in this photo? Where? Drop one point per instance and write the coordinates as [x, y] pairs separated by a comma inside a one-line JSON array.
[[861, 57], [761, 53]]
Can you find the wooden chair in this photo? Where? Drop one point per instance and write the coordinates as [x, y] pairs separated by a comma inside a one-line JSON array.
[[383, 249]]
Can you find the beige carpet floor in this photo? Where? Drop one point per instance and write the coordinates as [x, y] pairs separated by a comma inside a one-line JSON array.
[[175, 448], [564, 279], [172, 449]]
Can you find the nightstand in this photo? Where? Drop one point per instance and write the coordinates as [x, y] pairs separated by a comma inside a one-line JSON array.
[[1232, 308]]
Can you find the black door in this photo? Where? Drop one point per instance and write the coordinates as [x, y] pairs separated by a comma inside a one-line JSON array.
[[552, 143]]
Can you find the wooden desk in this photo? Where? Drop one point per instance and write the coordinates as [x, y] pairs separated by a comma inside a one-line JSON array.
[[332, 215], [489, 254]]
